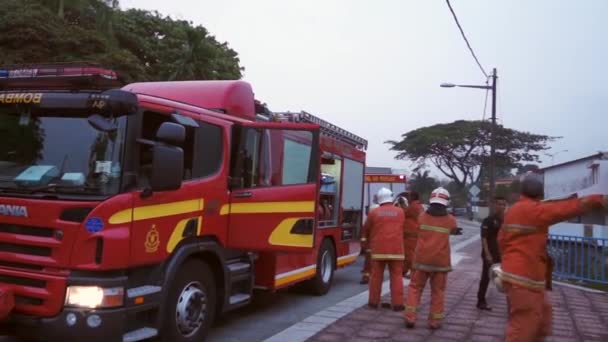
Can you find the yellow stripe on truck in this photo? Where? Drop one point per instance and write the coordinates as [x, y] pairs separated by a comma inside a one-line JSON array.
[[178, 232], [282, 236], [347, 259], [268, 207], [156, 211], [292, 276]]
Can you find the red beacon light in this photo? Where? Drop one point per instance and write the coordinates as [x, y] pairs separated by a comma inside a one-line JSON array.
[[65, 76]]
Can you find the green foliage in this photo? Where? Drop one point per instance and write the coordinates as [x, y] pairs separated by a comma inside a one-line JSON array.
[[140, 45], [460, 150], [422, 183]]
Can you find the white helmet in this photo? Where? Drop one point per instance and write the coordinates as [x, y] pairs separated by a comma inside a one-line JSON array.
[[384, 195], [440, 196]]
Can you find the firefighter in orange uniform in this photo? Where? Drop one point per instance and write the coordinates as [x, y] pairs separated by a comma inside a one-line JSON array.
[[367, 265], [384, 229], [410, 231], [522, 242], [432, 258]]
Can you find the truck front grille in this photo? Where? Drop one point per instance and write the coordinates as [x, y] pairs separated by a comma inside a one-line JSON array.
[[25, 230], [25, 249], [7, 279], [36, 294]]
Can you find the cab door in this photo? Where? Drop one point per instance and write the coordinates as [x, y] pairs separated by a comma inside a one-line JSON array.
[[273, 187]]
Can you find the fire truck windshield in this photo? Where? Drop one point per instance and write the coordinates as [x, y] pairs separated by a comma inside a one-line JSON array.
[[62, 154]]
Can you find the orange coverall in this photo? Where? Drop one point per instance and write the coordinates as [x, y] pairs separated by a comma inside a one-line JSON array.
[[431, 261], [384, 231], [410, 234], [522, 241], [367, 264]]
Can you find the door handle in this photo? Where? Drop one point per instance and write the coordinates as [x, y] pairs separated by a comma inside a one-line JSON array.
[[243, 194]]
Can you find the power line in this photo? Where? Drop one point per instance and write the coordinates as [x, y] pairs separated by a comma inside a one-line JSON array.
[[465, 39]]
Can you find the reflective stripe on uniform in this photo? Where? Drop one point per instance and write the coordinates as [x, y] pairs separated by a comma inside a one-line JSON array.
[[520, 280], [519, 228], [388, 256], [410, 308], [437, 315], [435, 229], [432, 268], [363, 239]]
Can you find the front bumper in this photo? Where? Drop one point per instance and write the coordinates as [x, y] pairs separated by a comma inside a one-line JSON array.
[[72, 324], [135, 321]]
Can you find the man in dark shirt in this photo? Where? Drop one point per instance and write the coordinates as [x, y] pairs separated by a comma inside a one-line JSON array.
[[489, 248]]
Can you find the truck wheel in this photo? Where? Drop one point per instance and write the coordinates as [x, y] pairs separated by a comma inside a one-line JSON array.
[[190, 304], [326, 265]]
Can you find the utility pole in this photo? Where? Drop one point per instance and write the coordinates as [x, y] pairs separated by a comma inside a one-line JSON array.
[[492, 164], [492, 169]]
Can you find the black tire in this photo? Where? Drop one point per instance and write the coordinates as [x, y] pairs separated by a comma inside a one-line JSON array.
[[321, 283], [197, 276]]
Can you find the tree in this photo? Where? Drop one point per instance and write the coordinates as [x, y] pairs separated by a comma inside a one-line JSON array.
[[140, 45], [422, 183], [460, 150], [527, 168]]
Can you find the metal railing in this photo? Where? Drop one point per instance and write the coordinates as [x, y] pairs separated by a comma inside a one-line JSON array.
[[579, 258]]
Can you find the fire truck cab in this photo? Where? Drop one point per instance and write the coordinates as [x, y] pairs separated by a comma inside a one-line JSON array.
[[148, 210]]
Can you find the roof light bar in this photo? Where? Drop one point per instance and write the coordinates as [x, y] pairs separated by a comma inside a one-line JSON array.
[[67, 75]]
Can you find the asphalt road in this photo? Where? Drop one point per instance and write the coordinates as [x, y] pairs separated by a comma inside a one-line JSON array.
[[271, 313]]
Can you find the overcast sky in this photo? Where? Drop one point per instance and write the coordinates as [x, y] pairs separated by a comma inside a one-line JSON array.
[[374, 67]]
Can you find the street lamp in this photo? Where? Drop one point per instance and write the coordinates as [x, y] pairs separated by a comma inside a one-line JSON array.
[[492, 128], [552, 155]]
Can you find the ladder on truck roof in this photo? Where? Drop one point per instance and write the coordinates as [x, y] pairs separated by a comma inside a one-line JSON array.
[[327, 128]]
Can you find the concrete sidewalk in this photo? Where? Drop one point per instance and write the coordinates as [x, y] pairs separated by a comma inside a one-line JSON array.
[[578, 315]]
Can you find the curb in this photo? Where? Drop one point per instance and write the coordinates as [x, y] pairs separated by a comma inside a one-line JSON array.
[[577, 287], [313, 324]]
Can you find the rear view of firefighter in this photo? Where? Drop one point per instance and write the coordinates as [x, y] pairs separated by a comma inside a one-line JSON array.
[[410, 231], [522, 242], [367, 264], [384, 229], [431, 259]]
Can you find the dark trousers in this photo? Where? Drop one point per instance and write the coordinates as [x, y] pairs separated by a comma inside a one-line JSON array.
[[483, 282]]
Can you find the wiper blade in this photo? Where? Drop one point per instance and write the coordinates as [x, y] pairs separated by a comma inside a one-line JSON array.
[[55, 186]]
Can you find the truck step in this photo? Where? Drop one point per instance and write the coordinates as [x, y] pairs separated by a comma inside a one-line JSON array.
[[239, 298], [139, 335], [238, 267]]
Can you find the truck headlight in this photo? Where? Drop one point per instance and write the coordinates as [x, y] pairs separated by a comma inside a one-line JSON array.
[[94, 297]]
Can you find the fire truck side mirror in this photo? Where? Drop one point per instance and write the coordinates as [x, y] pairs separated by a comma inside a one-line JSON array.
[[168, 157]]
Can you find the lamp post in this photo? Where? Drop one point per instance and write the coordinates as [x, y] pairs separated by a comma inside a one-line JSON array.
[[491, 172]]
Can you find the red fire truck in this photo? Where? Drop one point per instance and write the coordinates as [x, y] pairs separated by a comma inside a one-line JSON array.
[[148, 210]]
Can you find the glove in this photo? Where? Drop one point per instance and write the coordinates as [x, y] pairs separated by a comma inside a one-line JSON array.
[[457, 231]]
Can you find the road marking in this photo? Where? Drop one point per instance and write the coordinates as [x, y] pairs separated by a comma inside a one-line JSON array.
[[313, 324]]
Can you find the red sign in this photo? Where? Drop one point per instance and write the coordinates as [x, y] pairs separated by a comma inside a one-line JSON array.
[[385, 179]]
